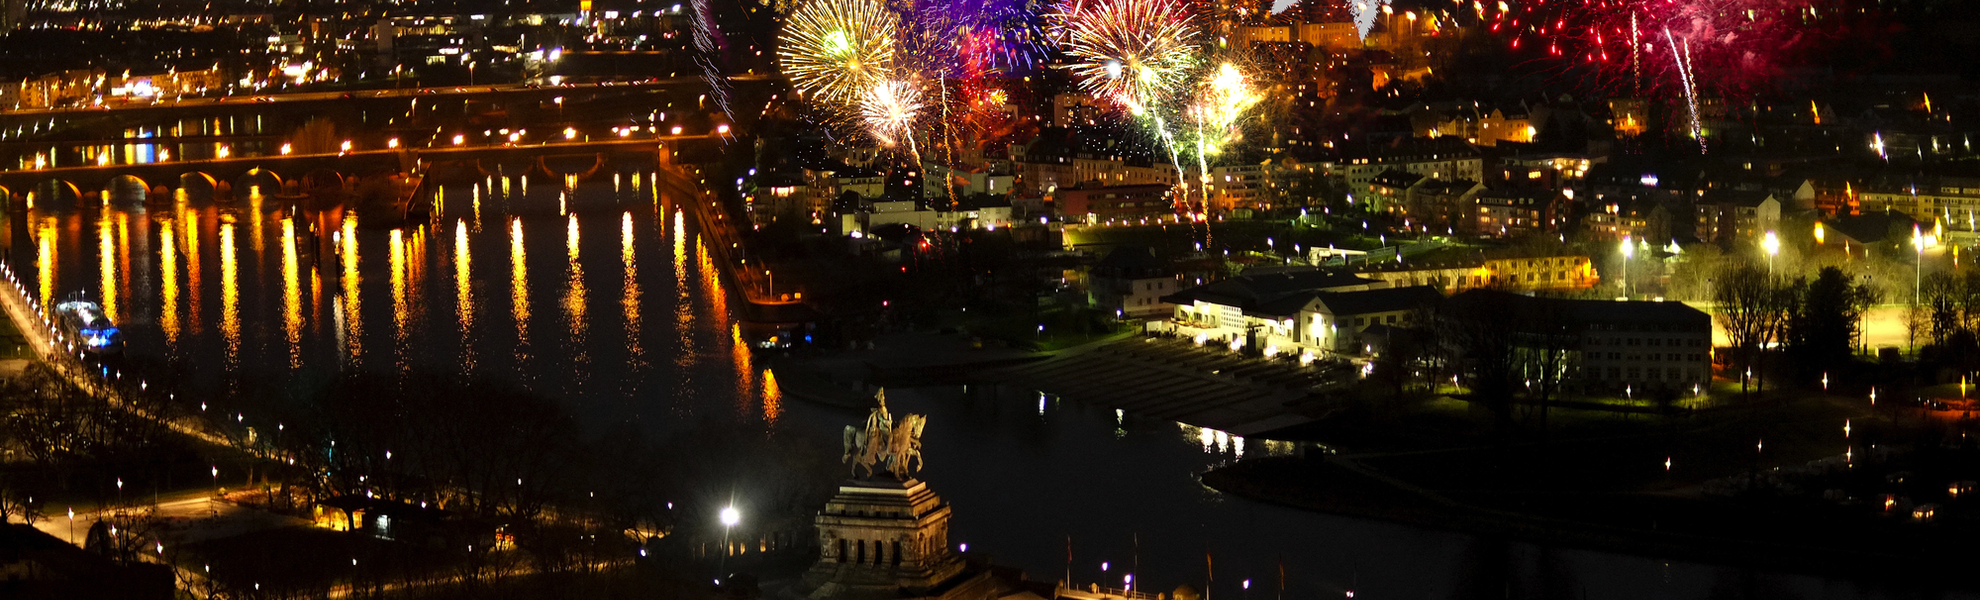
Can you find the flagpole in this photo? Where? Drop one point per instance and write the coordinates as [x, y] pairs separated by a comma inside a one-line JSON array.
[[1069, 559], [1282, 576]]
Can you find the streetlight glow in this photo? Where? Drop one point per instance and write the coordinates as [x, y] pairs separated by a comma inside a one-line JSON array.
[[730, 517], [1772, 244]]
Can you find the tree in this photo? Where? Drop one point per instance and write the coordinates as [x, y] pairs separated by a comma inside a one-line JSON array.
[[1481, 332], [1941, 296], [1824, 330], [1747, 302], [1545, 351]]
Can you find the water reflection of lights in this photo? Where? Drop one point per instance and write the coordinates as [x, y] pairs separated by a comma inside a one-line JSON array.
[[44, 260], [107, 265], [519, 288], [773, 397], [400, 315], [168, 283], [298, 309], [464, 294], [683, 310], [711, 280], [1219, 443], [629, 299], [191, 221], [353, 321], [291, 294], [574, 301], [230, 294]]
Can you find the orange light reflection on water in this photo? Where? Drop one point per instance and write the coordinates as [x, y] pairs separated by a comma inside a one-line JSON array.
[[107, 265], [400, 314], [230, 295], [352, 305], [191, 221], [519, 288], [683, 304], [44, 261], [574, 293], [464, 294], [773, 398], [629, 299], [168, 284], [291, 294]]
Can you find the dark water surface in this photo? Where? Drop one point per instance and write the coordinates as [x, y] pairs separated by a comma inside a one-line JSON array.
[[599, 293]]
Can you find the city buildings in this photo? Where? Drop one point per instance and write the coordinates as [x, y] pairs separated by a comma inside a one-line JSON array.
[[1303, 311], [1512, 212], [1120, 203], [1131, 283], [1563, 273], [1631, 347], [1446, 158], [1727, 214]]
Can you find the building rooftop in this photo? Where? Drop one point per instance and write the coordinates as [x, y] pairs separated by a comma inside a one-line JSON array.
[[1380, 300], [1579, 313], [1734, 197], [1395, 179], [1265, 291]]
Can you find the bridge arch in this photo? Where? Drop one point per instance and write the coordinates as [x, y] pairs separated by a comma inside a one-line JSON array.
[[583, 166], [270, 182], [125, 189], [322, 177], [54, 194]]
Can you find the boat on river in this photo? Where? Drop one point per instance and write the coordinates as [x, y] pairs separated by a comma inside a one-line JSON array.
[[86, 324]]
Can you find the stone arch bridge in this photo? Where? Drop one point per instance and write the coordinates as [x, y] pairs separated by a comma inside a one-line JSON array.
[[70, 186]]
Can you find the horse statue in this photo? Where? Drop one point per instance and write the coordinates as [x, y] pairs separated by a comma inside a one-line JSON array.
[[868, 448], [906, 446]]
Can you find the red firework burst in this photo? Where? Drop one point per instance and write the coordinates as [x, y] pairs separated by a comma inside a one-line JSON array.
[[1728, 49]]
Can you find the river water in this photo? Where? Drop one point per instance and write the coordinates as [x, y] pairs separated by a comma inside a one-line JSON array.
[[599, 292]]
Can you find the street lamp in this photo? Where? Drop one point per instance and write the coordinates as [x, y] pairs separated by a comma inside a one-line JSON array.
[[1628, 251], [1772, 244], [770, 284], [1918, 265], [730, 517]]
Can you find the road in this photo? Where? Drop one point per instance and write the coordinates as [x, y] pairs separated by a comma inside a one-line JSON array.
[[442, 92]]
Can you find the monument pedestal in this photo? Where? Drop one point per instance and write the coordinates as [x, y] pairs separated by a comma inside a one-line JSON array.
[[882, 538]]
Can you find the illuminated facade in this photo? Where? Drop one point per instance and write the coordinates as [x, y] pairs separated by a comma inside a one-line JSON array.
[[1543, 273]]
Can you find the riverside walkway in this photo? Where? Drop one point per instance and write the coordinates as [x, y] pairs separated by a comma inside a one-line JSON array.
[[38, 329]]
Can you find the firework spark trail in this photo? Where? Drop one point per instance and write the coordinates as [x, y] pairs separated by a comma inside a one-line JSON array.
[[1691, 98], [718, 84], [979, 36], [889, 110], [708, 39], [1635, 56], [1680, 55], [1731, 49], [1223, 98], [1364, 14], [835, 50], [1133, 52], [1136, 54], [948, 144]]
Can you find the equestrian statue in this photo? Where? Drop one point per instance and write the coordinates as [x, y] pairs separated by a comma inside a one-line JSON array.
[[890, 445]]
